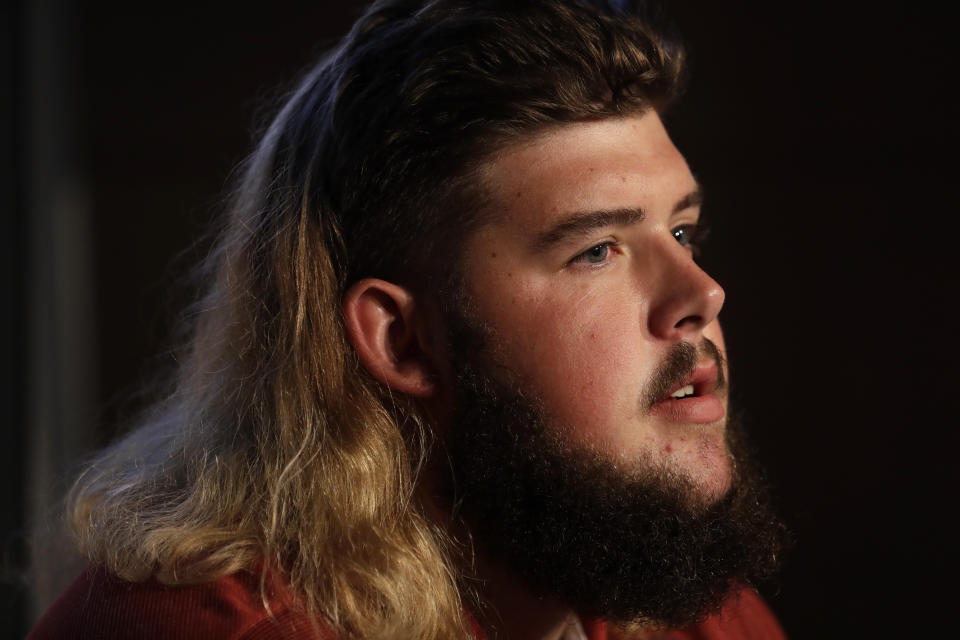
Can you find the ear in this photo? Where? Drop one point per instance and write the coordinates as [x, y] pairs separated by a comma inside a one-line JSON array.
[[389, 334]]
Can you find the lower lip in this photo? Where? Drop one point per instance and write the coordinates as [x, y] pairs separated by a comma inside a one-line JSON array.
[[698, 409]]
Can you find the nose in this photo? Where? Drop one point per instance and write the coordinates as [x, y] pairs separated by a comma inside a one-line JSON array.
[[686, 298]]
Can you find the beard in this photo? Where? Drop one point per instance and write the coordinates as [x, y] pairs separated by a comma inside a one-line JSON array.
[[632, 545]]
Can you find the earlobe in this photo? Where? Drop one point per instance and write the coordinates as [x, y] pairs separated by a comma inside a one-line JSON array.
[[382, 323]]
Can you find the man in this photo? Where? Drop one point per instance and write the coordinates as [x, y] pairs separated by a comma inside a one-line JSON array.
[[456, 372]]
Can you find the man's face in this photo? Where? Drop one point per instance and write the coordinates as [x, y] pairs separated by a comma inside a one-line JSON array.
[[586, 279], [580, 312]]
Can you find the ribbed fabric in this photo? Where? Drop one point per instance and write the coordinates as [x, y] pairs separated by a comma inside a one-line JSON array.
[[98, 606], [745, 616]]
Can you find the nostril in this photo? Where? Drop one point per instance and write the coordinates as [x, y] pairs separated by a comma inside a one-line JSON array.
[[693, 320]]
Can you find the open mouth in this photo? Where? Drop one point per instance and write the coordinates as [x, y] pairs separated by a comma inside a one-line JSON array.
[[702, 381], [692, 399]]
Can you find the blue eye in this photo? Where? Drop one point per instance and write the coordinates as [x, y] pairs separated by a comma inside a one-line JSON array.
[[684, 234], [595, 255], [691, 236]]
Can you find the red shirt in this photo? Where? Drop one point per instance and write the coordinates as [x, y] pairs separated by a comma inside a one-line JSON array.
[[98, 606]]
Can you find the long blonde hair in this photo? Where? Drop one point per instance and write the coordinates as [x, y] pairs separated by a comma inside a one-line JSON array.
[[272, 447]]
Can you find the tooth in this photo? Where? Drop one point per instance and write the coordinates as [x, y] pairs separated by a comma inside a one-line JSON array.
[[683, 391]]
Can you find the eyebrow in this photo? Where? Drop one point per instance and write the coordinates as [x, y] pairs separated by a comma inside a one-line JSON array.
[[583, 222], [692, 199]]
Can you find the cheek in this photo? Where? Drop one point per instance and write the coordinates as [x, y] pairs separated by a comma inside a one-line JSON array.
[[580, 353]]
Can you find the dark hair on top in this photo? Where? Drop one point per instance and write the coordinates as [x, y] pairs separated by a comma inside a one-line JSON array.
[[271, 447], [388, 129]]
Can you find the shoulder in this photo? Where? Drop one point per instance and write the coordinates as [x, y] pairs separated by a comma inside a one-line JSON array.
[[99, 605], [744, 616]]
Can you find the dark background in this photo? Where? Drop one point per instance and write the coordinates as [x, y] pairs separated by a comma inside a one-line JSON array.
[[824, 134]]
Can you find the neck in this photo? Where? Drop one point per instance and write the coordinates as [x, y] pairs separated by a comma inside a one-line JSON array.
[[516, 613], [510, 609]]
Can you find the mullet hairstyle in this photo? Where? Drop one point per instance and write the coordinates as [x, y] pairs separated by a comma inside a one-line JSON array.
[[272, 450]]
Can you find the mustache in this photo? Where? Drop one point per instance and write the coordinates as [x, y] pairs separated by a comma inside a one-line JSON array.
[[678, 365]]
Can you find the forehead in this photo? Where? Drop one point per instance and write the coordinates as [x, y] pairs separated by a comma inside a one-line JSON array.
[[625, 162]]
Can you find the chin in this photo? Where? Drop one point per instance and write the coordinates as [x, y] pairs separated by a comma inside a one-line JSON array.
[[708, 467], [714, 485]]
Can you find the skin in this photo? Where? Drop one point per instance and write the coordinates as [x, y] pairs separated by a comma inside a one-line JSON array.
[[582, 327], [585, 335], [581, 323]]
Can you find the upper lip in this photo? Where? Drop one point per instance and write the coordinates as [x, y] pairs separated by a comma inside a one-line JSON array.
[[703, 378]]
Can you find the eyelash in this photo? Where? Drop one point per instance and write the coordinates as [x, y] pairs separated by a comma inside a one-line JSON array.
[[582, 257], [697, 237], [695, 241]]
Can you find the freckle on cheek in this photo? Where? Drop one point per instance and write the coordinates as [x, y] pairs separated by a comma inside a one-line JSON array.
[[493, 254]]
